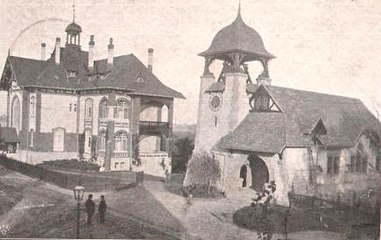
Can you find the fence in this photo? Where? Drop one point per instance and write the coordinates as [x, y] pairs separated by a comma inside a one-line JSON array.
[[93, 181]]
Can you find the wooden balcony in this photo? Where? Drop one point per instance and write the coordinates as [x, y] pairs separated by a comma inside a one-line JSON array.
[[153, 128]]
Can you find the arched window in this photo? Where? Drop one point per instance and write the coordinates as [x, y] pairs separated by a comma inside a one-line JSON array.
[[122, 109], [164, 113], [58, 139], [89, 109], [32, 106], [15, 115], [102, 140], [103, 108], [88, 140], [31, 136], [121, 141]]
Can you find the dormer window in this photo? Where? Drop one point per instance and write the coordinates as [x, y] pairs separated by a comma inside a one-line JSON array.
[[139, 79], [71, 74], [262, 102]]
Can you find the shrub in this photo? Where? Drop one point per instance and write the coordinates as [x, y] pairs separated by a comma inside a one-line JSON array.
[[203, 170]]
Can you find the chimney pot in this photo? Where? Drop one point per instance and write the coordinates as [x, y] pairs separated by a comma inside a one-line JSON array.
[[110, 58], [91, 53], [43, 51], [58, 51], [150, 59]]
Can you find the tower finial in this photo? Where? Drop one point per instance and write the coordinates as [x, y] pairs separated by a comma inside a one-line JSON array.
[[239, 8], [73, 10]]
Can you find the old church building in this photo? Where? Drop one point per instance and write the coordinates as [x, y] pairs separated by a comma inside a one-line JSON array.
[[114, 112], [309, 143]]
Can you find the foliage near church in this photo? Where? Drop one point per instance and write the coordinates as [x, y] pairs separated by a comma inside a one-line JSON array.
[[204, 170]]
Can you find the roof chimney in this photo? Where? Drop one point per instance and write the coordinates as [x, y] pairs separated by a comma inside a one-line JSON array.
[[150, 59], [110, 58], [43, 51], [58, 50], [91, 52]]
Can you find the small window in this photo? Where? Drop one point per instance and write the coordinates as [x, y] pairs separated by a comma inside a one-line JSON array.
[[215, 121], [333, 165], [116, 165], [364, 164], [378, 163], [32, 106], [139, 79], [352, 164], [31, 136]]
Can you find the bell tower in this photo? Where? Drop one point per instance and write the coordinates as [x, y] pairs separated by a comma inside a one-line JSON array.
[[224, 101]]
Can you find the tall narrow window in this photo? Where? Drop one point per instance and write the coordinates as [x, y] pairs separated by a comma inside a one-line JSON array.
[[352, 164], [89, 109], [31, 138], [364, 164], [358, 163], [121, 143], [215, 121], [336, 166], [103, 108], [378, 163], [32, 106], [122, 109], [333, 164], [15, 115], [102, 140]]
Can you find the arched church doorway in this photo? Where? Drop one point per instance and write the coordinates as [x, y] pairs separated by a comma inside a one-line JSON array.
[[243, 175], [259, 172]]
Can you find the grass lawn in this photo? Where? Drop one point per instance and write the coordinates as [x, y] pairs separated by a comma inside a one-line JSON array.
[[299, 219]]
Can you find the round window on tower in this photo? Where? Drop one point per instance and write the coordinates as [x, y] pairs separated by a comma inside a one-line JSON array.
[[215, 102]]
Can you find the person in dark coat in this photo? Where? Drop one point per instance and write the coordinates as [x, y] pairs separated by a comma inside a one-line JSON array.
[[102, 209], [90, 208]]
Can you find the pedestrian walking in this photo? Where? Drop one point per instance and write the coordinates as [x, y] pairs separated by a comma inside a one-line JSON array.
[[102, 209], [90, 208]]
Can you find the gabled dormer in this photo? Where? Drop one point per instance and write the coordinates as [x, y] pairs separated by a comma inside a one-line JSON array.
[[318, 132], [262, 101]]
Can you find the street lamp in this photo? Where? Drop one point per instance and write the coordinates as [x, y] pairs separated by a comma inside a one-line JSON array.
[[79, 191]]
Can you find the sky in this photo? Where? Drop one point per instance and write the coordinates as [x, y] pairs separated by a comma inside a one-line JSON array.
[[328, 46]]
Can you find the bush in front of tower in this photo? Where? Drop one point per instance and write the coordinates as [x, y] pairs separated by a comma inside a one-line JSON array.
[[203, 171]]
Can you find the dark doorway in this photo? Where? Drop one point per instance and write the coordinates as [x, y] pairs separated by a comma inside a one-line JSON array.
[[259, 172], [243, 175]]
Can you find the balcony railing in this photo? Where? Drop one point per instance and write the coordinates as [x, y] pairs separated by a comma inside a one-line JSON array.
[[153, 154], [153, 124], [120, 155]]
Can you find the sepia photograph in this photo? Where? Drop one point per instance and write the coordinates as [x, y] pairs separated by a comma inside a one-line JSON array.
[[194, 120]]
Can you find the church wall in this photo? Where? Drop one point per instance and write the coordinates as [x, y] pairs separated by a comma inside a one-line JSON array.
[[349, 186], [297, 174], [232, 183]]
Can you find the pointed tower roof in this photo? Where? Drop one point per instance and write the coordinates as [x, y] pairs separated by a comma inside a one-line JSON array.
[[237, 37]]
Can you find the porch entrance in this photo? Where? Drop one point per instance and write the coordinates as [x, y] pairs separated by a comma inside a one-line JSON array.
[[259, 172]]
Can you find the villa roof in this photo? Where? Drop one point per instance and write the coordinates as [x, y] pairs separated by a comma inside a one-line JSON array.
[[128, 73]]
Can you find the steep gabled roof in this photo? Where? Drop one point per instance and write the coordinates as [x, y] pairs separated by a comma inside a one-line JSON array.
[[343, 118], [122, 76]]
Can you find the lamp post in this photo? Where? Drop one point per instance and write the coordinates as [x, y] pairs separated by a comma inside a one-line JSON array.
[[78, 196]]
